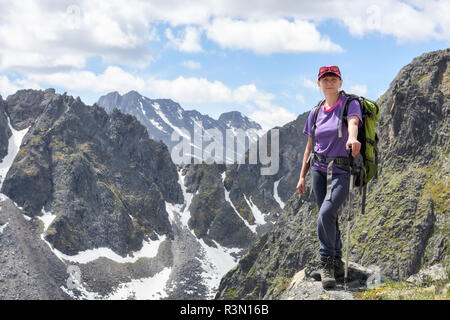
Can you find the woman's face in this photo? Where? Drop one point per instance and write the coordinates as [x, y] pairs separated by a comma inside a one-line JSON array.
[[330, 83]]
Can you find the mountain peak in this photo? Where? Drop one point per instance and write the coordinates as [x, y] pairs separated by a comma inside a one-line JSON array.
[[132, 93], [162, 117], [237, 119]]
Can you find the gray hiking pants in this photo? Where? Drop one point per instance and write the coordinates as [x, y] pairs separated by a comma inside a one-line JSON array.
[[327, 222]]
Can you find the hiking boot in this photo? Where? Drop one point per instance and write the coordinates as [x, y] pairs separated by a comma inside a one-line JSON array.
[[339, 268], [327, 272]]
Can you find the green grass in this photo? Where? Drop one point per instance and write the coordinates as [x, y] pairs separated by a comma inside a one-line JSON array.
[[401, 290]]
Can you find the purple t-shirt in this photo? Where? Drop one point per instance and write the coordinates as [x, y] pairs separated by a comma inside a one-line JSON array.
[[327, 142]]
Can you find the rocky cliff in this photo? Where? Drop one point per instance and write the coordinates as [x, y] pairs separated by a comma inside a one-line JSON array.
[[405, 227], [95, 181], [92, 171]]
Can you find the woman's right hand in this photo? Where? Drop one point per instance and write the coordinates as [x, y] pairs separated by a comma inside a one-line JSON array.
[[301, 186]]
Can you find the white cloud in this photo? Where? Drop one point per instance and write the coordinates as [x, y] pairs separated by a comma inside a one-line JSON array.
[[300, 98], [190, 64], [271, 116], [188, 42], [8, 87], [112, 79], [359, 89], [246, 93], [264, 111], [308, 83], [407, 21], [269, 36], [191, 90], [62, 35]]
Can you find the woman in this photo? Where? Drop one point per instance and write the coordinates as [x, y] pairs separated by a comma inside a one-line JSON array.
[[329, 146]]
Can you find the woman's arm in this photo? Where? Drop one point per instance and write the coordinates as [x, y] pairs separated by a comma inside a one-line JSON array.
[[305, 165], [352, 141], [301, 185]]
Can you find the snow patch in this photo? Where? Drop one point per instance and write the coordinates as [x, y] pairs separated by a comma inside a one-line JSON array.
[[151, 288], [181, 209], [259, 216], [227, 198], [216, 263], [164, 118], [149, 248], [2, 228], [75, 284], [142, 108], [157, 125], [275, 194], [47, 218], [14, 143]]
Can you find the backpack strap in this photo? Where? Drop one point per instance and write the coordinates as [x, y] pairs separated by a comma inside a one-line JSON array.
[[314, 126], [344, 110]]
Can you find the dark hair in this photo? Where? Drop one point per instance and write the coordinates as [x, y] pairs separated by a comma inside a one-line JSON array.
[[330, 74]]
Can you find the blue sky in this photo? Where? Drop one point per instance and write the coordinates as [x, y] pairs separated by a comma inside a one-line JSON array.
[[258, 57]]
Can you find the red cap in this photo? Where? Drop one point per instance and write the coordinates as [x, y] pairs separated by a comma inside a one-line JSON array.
[[329, 69]]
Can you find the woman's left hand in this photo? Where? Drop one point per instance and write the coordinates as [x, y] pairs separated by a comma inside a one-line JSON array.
[[354, 144]]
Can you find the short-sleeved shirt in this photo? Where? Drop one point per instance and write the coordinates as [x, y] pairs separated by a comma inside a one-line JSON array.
[[327, 142]]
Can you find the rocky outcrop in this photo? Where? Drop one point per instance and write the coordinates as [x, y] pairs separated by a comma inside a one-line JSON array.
[[212, 216], [100, 175], [25, 106], [405, 227], [28, 268], [304, 287], [5, 132], [428, 275]]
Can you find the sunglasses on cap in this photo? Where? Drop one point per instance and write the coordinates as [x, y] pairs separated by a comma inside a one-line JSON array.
[[329, 68]]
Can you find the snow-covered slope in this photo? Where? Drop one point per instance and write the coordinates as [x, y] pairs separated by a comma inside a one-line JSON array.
[[163, 117]]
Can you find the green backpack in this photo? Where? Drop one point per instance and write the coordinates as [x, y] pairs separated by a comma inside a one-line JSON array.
[[366, 165], [366, 135]]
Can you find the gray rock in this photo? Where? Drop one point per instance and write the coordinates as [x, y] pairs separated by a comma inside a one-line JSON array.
[[28, 268], [428, 275], [100, 174]]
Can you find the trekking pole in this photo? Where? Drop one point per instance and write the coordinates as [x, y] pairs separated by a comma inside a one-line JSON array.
[[347, 235]]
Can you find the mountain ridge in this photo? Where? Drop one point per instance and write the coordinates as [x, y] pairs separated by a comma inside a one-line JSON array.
[[164, 117]]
